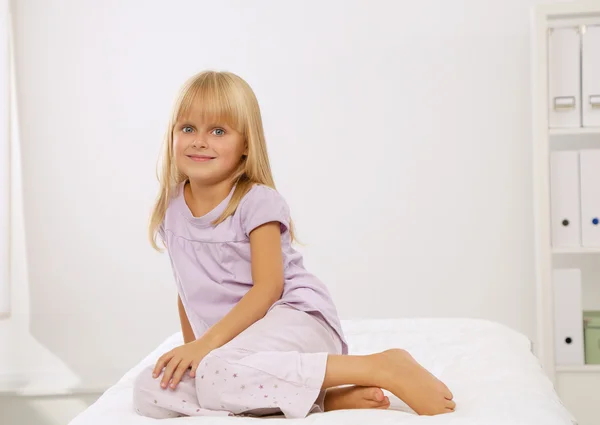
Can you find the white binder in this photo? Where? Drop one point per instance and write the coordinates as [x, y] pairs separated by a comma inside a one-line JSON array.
[[590, 197], [568, 317], [564, 77], [590, 61], [564, 199]]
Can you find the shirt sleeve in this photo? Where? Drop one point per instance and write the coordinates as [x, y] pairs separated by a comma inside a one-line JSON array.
[[263, 205]]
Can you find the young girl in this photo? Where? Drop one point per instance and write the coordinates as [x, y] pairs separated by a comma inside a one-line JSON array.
[[261, 334]]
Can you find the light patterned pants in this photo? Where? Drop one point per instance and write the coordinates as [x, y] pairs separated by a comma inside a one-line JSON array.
[[275, 366]]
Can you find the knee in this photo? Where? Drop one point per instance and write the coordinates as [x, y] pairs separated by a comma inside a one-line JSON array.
[[144, 383], [145, 388]]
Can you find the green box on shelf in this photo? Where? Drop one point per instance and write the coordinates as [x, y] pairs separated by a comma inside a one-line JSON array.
[[591, 329]]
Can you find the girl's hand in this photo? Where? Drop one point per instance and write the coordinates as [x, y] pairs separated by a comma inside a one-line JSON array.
[[177, 361]]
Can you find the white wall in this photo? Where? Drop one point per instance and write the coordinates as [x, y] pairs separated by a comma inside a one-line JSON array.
[[398, 132]]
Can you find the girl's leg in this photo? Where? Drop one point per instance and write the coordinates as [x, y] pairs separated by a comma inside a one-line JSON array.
[[287, 360], [395, 371]]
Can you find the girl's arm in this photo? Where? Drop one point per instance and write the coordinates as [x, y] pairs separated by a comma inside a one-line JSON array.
[[186, 328], [267, 276]]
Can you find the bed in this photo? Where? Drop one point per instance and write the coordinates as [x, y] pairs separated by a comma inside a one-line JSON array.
[[490, 369]]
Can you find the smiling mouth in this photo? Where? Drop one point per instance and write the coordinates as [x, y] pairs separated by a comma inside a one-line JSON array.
[[200, 158]]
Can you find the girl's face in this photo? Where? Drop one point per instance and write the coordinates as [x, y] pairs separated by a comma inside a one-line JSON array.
[[206, 152]]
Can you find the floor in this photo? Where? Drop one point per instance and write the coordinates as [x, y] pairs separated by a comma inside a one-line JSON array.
[[55, 410]]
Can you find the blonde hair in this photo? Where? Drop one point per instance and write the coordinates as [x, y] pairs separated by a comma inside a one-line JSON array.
[[227, 98]]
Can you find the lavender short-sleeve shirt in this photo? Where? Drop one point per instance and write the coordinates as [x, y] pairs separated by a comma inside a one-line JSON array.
[[211, 264]]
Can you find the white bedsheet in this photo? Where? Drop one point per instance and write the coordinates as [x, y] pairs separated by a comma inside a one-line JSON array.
[[494, 377]]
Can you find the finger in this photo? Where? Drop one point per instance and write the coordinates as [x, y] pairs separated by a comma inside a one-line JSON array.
[[195, 365], [169, 371], [450, 404], [181, 369], [160, 364]]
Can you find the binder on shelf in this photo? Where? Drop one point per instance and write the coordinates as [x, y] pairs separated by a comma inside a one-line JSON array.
[[564, 198], [589, 162], [568, 317], [564, 77], [590, 70]]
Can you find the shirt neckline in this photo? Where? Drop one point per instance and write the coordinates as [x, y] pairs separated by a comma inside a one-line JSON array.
[[207, 219]]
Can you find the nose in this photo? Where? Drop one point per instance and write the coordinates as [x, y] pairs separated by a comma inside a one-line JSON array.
[[200, 142]]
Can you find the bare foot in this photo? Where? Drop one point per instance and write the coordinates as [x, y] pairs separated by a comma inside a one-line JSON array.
[[355, 397], [413, 384]]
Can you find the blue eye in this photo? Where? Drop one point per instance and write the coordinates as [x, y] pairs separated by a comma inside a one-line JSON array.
[[186, 127], [220, 131]]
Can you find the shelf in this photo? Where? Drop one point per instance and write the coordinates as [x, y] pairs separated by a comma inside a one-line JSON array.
[[573, 131], [579, 368], [576, 250]]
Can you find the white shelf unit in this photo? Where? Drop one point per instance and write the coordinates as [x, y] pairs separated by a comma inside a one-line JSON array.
[[577, 385], [588, 368], [576, 250], [574, 131]]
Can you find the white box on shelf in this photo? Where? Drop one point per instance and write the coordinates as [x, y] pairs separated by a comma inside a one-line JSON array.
[[590, 74], [564, 198], [568, 317], [589, 164], [564, 77]]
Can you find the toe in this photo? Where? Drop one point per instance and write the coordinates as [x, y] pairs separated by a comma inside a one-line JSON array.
[[376, 394], [383, 404], [448, 394], [380, 405]]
